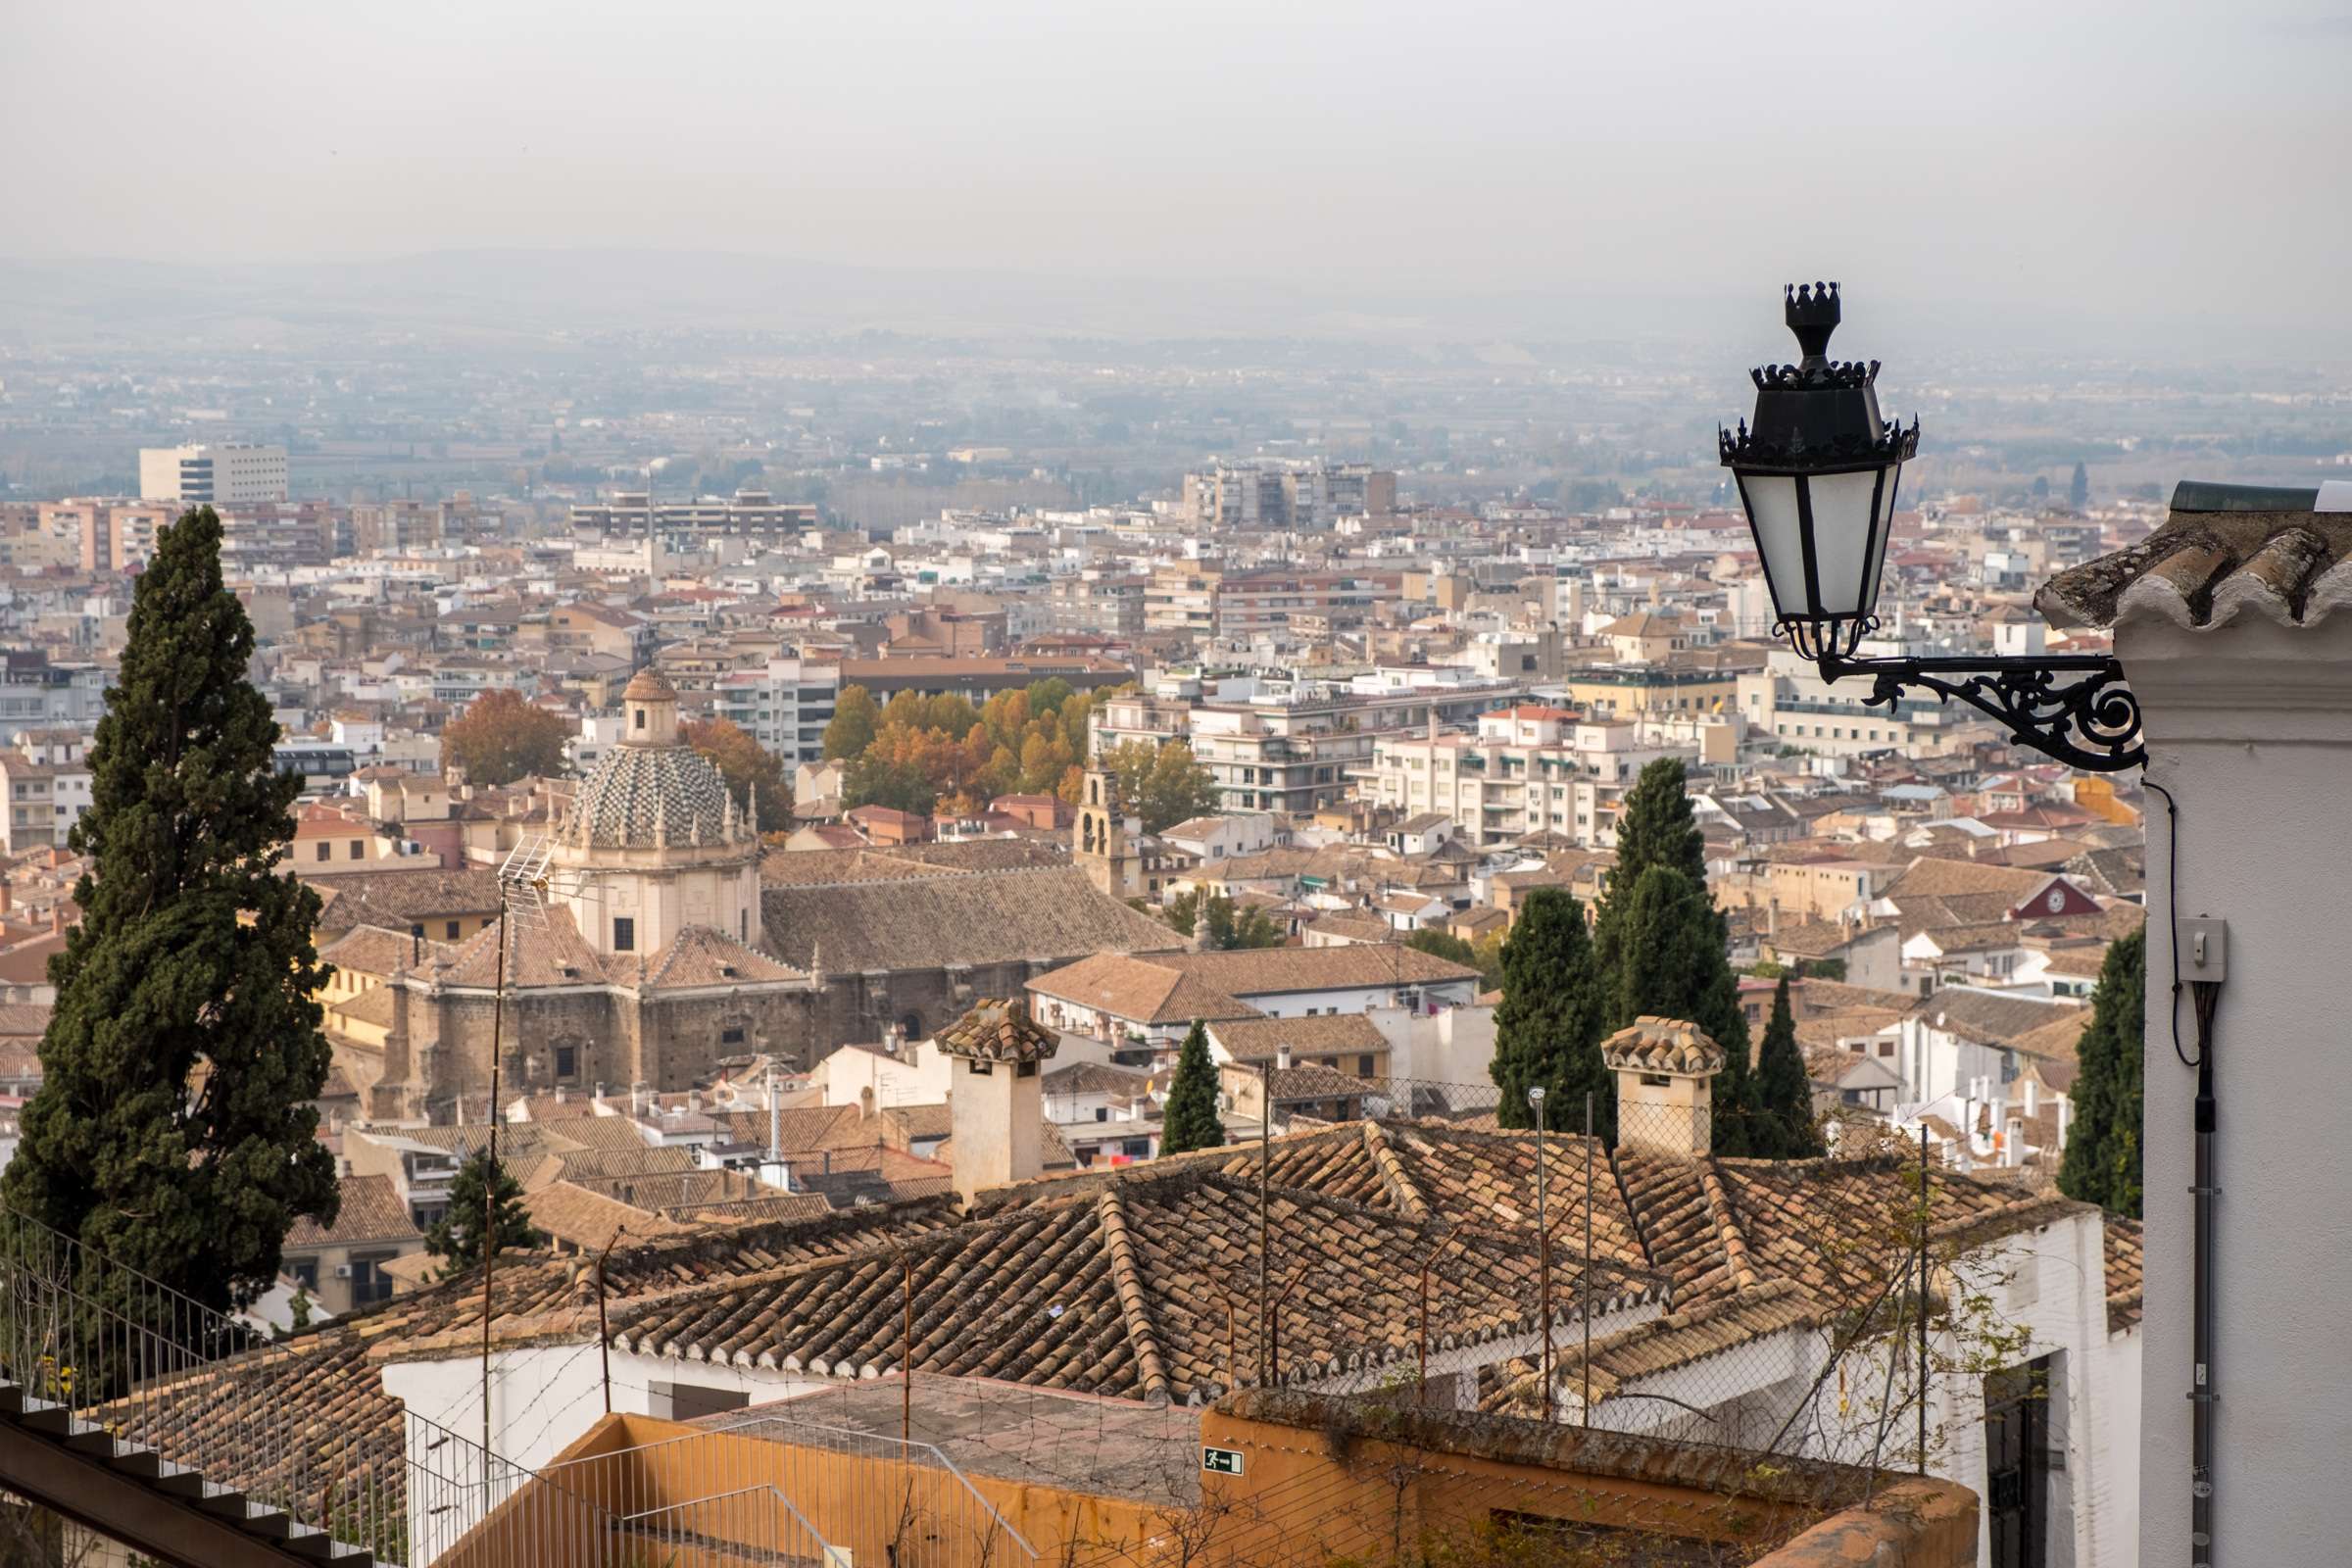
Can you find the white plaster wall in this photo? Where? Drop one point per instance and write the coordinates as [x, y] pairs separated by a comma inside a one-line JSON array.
[[1456, 1045], [2107, 1421], [1354, 999], [849, 1074], [2250, 726], [544, 1397]]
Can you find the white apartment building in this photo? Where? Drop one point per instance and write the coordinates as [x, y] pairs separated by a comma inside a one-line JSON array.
[[1287, 494], [1528, 769], [785, 707], [1282, 746], [235, 474], [1791, 702], [46, 786]]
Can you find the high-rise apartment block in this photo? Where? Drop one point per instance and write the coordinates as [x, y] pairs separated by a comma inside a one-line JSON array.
[[234, 474], [1281, 494], [785, 707], [747, 512]]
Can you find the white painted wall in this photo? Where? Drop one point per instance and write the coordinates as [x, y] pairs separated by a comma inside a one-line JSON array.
[[852, 1074], [2250, 726], [544, 1397], [1454, 1046]]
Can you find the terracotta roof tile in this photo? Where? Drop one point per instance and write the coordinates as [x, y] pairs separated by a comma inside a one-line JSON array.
[[932, 922], [1000, 1031], [1651, 1044], [372, 1211], [2224, 550]]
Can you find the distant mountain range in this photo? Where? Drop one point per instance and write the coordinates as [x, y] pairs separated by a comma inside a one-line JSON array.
[[478, 296]]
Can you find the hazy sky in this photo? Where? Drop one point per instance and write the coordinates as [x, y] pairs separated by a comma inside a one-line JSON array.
[[2141, 160]]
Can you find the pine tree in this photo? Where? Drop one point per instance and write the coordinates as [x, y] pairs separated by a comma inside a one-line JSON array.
[[2102, 1141], [1189, 1118], [1783, 1127], [1548, 1028], [1674, 965], [2077, 488], [457, 1236], [173, 1132]]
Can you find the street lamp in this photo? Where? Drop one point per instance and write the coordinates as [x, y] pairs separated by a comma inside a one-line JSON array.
[[1818, 470]]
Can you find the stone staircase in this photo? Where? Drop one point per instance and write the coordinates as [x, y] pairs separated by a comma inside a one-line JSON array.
[[271, 1531]]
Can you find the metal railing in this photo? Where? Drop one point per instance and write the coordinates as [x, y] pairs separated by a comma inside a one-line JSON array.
[[873, 1497], [172, 1394], [1818, 1300]]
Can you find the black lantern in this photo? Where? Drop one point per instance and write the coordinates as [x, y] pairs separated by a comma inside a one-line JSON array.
[[1817, 473], [1818, 470]]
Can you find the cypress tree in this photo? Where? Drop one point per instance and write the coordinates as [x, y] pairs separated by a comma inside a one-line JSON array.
[[1548, 1026], [173, 1131], [1654, 827], [2101, 1164], [1189, 1119], [457, 1236], [1674, 965], [1783, 1127]]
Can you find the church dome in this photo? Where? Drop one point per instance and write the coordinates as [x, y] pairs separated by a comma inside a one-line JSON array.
[[643, 796], [652, 789]]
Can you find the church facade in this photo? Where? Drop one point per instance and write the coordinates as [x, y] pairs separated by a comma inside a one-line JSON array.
[[650, 945]]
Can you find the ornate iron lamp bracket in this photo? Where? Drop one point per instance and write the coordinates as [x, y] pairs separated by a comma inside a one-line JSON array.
[[2075, 707]]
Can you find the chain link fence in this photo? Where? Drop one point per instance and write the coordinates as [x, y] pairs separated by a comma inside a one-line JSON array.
[[1783, 1307]]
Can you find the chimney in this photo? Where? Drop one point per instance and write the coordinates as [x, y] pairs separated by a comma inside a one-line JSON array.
[[2033, 1098], [997, 1056], [559, 1093], [775, 1121], [2013, 1148], [636, 1100], [1282, 1058], [1665, 1071]]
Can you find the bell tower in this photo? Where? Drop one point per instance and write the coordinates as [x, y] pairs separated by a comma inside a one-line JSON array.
[[1099, 842]]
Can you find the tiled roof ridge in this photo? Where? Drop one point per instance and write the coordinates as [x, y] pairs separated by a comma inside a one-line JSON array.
[[933, 871], [2201, 568], [2002, 1217], [1727, 1229], [1054, 1186], [1568, 1368], [1110, 1212], [1633, 1211], [1407, 1198]]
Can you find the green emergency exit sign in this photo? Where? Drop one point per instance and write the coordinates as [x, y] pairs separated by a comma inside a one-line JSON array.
[[1222, 1462]]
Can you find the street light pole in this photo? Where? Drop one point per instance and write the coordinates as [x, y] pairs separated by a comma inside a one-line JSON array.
[[1534, 1098]]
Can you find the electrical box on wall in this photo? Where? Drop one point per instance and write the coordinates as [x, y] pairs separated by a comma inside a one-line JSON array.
[[2204, 949]]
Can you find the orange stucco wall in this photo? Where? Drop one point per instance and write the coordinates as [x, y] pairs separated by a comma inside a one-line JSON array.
[[1306, 1493], [719, 1488], [1371, 1499]]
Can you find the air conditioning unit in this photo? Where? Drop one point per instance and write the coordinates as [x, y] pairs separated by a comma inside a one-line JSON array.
[[342, 1271]]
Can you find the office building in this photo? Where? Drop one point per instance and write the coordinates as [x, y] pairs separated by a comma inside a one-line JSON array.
[[233, 474]]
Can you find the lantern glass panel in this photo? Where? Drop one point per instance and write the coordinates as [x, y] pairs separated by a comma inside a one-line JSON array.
[[1882, 529], [1843, 535], [1772, 508]]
